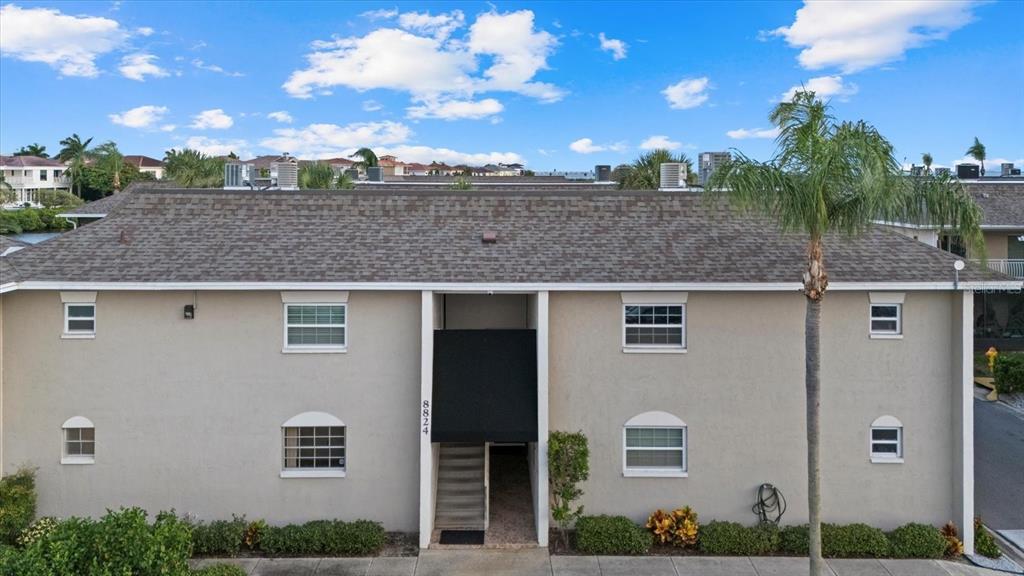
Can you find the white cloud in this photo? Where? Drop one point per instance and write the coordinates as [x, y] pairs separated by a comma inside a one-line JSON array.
[[371, 106], [215, 68], [440, 26], [144, 31], [660, 142], [616, 47], [456, 109], [212, 119], [140, 117], [215, 147], [428, 67], [747, 133], [281, 116], [427, 154], [69, 44], [687, 93], [856, 34], [138, 66], [168, 128], [824, 87], [326, 140], [991, 164], [587, 146], [382, 14]]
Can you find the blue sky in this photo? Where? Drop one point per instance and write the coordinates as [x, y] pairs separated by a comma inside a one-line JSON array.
[[556, 85]]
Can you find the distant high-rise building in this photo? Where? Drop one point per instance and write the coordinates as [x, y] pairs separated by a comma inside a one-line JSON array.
[[709, 161]]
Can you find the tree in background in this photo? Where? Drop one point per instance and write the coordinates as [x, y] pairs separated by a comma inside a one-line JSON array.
[[32, 149], [344, 182], [193, 169], [367, 158], [926, 159], [74, 153], [110, 161], [645, 172], [568, 466], [833, 177], [316, 176], [977, 151]]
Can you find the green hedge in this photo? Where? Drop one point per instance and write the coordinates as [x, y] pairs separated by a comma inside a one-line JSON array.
[[984, 543], [324, 537], [218, 538], [17, 504], [734, 539], [837, 541], [32, 220], [1009, 373], [917, 541], [611, 535], [219, 570]]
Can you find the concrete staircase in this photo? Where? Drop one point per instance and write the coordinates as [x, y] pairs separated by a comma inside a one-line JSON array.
[[460, 488]]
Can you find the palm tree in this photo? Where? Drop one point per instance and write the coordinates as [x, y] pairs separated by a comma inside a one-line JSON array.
[[645, 172], [368, 158], [977, 151], [316, 176], [74, 153], [828, 177], [110, 160], [344, 182], [193, 169], [926, 159], [33, 149]]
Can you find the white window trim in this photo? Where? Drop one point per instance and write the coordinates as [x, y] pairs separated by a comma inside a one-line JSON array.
[[886, 423], [69, 334], [313, 348], [653, 348], [313, 419], [898, 334], [656, 419], [75, 422]]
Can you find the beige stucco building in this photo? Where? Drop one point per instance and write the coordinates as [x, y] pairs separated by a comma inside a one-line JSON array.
[[403, 356]]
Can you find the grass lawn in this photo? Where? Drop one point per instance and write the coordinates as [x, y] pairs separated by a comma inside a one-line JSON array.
[[981, 362]]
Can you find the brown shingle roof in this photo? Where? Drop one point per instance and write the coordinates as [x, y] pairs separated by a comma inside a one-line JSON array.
[[1001, 204], [29, 162], [413, 236], [140, 161]]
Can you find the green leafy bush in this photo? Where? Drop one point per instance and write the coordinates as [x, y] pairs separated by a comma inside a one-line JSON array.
[[218, 538], [32, 220], [219, 570], [57, 198], [984, 543], [917, 541], [17, 504], [734, 539], [324, 537], [794, 540], [38, 529], [568, 467], [1009, 373], [837, 541], [611, 535]]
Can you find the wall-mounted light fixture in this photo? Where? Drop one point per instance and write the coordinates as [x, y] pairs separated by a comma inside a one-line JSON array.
[[190, 312]]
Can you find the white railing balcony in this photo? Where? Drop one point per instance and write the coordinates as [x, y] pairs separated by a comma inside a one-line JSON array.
[[1011, 267], [36, 182]]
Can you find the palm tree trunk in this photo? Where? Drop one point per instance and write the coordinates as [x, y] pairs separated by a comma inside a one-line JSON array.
[[815, 283]]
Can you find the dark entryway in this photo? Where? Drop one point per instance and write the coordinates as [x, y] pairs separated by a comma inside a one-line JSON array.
[[511, 497]]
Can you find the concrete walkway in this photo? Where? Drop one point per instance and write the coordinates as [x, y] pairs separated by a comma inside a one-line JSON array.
[[537, 562]]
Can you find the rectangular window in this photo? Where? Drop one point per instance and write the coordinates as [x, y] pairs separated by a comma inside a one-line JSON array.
[[886, 319], [79, 445], [886, 443], [655, 451], [654, 326], [42, 175], [315, 326], [79, 319], [314, 448]]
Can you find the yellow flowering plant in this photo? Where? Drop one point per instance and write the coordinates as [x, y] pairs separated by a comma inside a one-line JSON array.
[[678, 528]]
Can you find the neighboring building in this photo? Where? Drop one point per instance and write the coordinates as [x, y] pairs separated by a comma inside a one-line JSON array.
[[391, 166], [146, 165], [318, 354], [30, 174], [709, 162]]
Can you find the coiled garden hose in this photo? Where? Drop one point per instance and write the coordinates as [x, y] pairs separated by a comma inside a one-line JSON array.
[[770, 505]]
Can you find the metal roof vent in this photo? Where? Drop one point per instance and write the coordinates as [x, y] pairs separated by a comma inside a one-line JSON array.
[[489, 237], [673, 176]]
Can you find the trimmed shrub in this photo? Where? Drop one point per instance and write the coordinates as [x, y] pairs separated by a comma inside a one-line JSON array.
[[17, 504], [837, 541], [917, 541], [324, 537], [678, 527], [611, 535], [1009, 373], [794, 540], [218, 538], [38, 529], [984, 543], [219, 570], [735, 539]]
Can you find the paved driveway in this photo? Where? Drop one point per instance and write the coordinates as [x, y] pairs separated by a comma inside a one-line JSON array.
[[999, 465]]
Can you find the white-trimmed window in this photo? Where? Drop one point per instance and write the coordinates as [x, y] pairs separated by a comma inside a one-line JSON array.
[[315, 321], [654, 444], [78, 442], [79, 314], [313, 446], [885, 314], [886, 440]]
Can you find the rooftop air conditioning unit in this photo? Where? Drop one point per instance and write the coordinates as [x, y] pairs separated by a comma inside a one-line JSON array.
[[287, 175], [603, 173], [673, 176], [375, 174], [1006, 169]]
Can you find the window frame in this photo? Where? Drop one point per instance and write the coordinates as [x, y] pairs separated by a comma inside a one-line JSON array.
[[313, 420], [898, 333], [654, 348], [316, 348], [656, 420], [77, 423], [78, 334], [886, 423]]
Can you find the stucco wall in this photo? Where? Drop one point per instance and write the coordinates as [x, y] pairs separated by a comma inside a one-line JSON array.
[[740, 390], [996, 244], [188, 413]]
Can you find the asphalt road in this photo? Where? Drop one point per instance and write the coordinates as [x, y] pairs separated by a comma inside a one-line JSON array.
[[998, 465]]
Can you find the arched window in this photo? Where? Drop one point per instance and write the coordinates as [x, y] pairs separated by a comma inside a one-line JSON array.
[[313, 446], [79, 441], [654, 444], [886, 440]]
